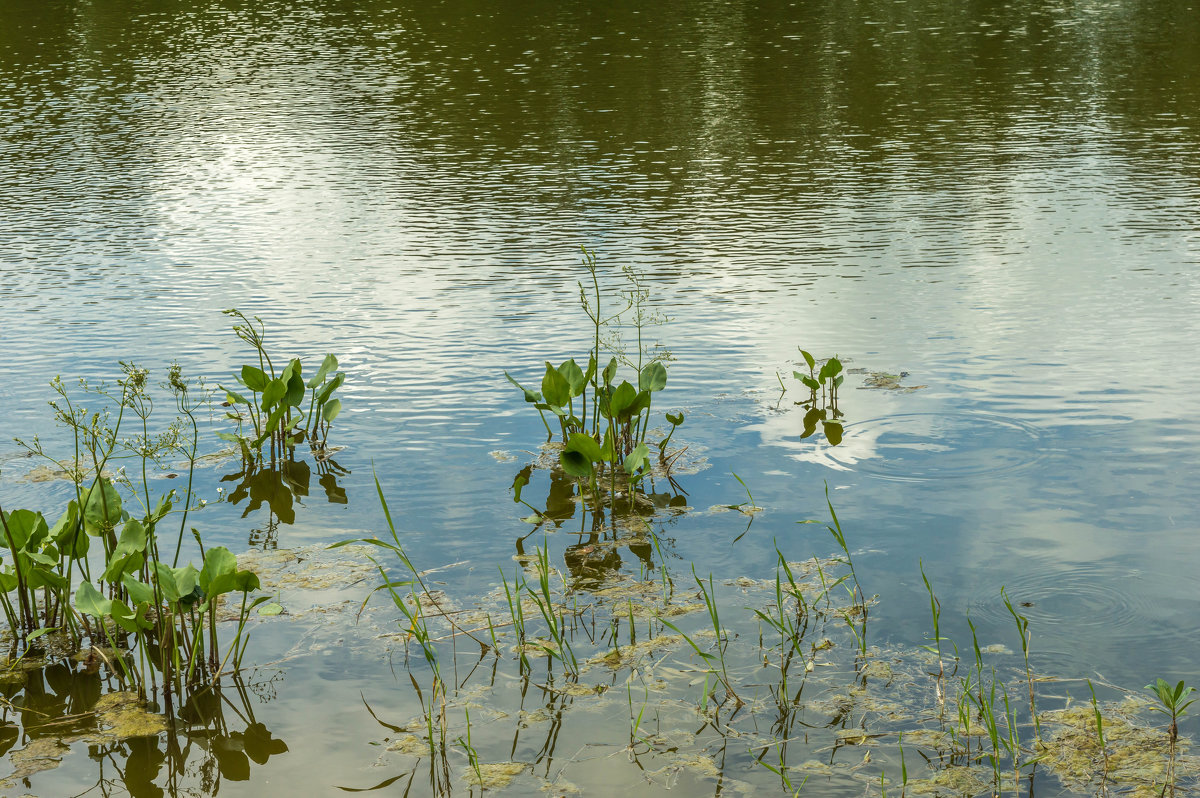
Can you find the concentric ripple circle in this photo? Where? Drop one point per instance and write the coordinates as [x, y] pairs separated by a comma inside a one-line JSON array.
[[1067, 602], [918, 447]]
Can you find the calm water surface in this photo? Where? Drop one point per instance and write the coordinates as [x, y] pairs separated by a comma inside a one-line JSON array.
[[999, 199]]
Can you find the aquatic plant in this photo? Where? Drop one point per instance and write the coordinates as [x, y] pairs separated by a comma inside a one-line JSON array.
[[935, 609], [155, 617], [607, 430], [554, 619], [275, 406], [1174, 702], [1099, 734], [822, 403]]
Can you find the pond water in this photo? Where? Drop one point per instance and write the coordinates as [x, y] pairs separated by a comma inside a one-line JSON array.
[[996, 203]]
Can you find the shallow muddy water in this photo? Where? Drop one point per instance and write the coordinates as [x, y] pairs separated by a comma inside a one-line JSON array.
[[994, 204]]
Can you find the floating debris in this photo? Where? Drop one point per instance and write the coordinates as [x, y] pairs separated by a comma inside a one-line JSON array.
[[42, 754], [122, 715], [881, 380], [495, 775]]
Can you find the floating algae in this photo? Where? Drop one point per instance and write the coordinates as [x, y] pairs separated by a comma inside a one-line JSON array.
[[1138, 756], [409, 744], [629, 656], [495, 775], [44, 753], [881, 380], [308, 568], [311, 578], [123, 715], [954, 780]]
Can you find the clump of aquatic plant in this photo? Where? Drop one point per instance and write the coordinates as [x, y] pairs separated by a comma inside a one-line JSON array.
[[1173, 702], [551, 614], [821, 406], [602, 418], [132, 599], [717, 667], [276, 406], [935, 609]]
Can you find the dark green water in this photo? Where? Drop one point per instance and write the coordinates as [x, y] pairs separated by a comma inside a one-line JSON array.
[[1000, 199]]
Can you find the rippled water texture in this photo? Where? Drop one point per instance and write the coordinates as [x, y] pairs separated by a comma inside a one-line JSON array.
[[999, 199]]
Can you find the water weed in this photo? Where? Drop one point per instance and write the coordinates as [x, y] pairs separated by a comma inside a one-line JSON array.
[[603, 420], [157, 617], [821, 406], [275, 405]]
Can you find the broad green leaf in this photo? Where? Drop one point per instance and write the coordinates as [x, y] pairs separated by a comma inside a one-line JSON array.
[[295, 390], [273, 393], [218, 561], [101, 508], [675, 420], [580, 453], [165, 504], [584, 444], [47, 556], [36, 633], [653, 378], [830, 369], [166, 582], [809, 359], [139, 592], [332, 409], [290, 370], [640, 403], [637, 459], [133, 537], [328, 366], [575, 463], [610, 372], [26, 527], [331, 386], [622, 397], [65, 527], [810, 383], [571, 372], [273, 608], [43, 577], [607, 450], [90, 601], [128, 555], [8, 580], [187, 578], [239, 581], [555, 387], [130, 620], [245, 581], [254, 378]]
